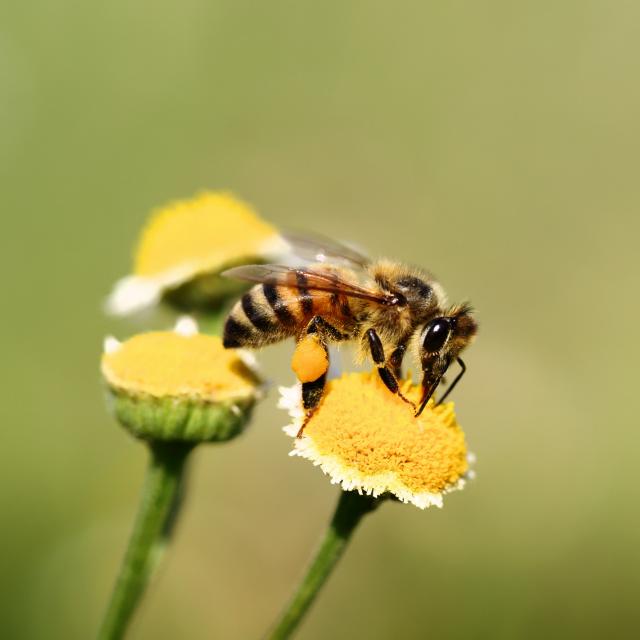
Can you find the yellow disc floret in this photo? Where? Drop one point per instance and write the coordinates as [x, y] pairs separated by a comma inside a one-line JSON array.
[[309, 360], [204, 233], [368, 439], [167, 364]]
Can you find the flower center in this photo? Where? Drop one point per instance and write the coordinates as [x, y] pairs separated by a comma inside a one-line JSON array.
[[374, 434], [164, 363], [204, 232]]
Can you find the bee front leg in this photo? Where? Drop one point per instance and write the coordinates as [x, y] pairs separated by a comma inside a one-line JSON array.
[[395, 360], [385, 371]]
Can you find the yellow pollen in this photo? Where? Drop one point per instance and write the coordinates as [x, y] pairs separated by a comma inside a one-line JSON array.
[[164, 363], [203, 234], [309, 360], [372, 432]]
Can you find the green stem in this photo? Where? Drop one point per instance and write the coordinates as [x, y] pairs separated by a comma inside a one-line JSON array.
[[157, 506], [350, 509], [210, 324]]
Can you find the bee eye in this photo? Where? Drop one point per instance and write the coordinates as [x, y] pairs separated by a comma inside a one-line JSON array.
[[436, 335]]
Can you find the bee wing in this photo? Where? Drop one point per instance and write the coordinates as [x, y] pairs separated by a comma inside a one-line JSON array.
[[319, 248], [310, 279]]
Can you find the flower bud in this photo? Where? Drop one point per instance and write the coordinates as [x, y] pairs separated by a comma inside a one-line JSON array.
[[184, 248], [179, 385]]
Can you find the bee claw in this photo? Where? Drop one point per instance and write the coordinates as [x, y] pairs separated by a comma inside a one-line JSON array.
[[409, 402], [304, 424]]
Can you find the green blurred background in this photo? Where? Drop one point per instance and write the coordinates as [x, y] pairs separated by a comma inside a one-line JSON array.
[[496, 143]]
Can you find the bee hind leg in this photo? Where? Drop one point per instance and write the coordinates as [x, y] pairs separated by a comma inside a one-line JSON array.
[[311, 363], [386, 374], [312, 393]]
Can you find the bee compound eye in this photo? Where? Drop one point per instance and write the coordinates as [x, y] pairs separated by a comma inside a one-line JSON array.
[[436, 335]]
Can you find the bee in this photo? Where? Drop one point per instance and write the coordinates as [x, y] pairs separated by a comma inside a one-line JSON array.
[[385, 307]]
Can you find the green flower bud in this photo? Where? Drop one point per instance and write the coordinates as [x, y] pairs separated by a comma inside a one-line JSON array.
[[179, 385]]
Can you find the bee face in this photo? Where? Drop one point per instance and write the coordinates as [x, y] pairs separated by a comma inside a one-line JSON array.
[[441, 342], [435, 357]]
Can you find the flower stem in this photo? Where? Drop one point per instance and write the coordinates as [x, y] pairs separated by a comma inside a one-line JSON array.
[[157, 510], [213, 322], [349, 511]]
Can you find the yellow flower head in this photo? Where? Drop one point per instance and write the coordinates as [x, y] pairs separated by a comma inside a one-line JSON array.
[[193, 241], [179, 385], [367, 439]]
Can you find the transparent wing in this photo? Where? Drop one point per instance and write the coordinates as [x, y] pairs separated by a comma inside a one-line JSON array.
[[309, 279], [319, 248]]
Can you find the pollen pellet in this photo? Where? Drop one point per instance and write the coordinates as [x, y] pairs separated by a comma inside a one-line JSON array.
[[309, 360]]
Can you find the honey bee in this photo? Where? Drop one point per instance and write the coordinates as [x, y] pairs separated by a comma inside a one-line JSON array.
[[385, 307]]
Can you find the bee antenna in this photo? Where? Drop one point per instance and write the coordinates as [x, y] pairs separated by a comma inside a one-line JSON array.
[[463, 369]]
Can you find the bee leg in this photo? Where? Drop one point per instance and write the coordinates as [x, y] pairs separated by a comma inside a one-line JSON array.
[[312, 393], [313, 390], [386, 374], [395, 361], [318, 324]]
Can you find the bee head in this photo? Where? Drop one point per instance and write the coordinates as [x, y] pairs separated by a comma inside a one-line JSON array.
[[441, 342]]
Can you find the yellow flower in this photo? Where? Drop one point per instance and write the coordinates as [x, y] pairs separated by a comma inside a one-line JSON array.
[[367, 439], [179, 385], [187, 244]]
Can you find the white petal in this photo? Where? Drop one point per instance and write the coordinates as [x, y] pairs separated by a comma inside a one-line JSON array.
[[249, 358], [290, 398], [186, 326], [111, 344], [291, 401], [132, 294]]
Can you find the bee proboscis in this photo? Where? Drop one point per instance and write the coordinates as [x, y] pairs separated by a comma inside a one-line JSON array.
[[387, 308]]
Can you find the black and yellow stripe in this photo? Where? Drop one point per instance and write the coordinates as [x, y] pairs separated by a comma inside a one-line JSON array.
[[263, 316], [276, 297], [271, 312], [255, 314], [306, 301]]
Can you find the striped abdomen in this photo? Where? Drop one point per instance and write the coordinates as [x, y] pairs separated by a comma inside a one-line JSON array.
[[269, 313]]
